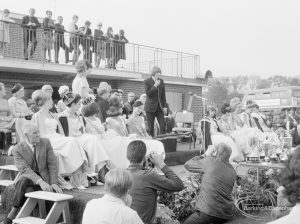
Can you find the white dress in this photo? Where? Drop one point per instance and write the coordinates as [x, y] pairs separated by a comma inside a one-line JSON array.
[[95, 151], [69, 155], [153, 146]]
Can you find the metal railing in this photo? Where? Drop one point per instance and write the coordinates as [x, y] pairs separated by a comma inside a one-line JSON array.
[[57, 46]]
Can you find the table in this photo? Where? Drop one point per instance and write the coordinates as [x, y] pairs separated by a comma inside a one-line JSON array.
[[261, 165]]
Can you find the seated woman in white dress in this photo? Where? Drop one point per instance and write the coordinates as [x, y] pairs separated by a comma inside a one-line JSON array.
[[209, 132], [74, 125], [71, 158], [231, 125], [117, 123], [136, 123]]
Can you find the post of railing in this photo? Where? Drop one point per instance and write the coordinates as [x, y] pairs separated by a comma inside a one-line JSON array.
[[138, 59], [161, 56], [181, 65], [134, 57]]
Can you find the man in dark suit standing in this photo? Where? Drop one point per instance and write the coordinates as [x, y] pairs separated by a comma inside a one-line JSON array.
[[37, 167], [30, 24], [155, 105]]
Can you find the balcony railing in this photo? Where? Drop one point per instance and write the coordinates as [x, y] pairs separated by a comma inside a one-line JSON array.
[[66, 48]]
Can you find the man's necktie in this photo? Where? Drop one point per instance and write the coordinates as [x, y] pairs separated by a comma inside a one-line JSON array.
[[35, 159]]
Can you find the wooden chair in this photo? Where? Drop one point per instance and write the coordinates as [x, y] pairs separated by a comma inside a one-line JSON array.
[[186, 118], [60, 206]]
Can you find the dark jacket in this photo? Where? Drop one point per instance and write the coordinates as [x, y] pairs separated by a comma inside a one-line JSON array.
[[103, 106], [30, 30], [128, 108], [217, 184], [145, 186], [156, 96], [45, 159]]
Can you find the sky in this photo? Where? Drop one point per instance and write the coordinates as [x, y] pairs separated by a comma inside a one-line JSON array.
[[232, 37]]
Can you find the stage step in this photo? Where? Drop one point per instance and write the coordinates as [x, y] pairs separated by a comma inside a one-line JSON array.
[[6, 183], [60, 206], [9, 167], [29, 220], [6, 173]]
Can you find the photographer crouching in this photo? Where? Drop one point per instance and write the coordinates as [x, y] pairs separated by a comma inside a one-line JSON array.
[[147, 182]]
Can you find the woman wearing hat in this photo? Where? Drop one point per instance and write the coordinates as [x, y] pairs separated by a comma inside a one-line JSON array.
[[48, 26], [4, 30], [74, 125], [20, 109], [118, 124]]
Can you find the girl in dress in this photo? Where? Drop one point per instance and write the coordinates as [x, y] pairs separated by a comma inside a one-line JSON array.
[[71, 158], [20, 109], [80, 84], [74, 125], [117, 123], [4, 30]]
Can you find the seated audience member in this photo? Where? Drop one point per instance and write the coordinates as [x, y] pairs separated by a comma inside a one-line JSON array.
[[128, 106], [30, 24], [214, 203], [36, 162], [136, 123], [143, 98], [170, 121], [74, 125], [102, 99], [59, 40], [99, 47], [114, 205], [62, 91], [48, 26], [20, 109], [290, 181], [120, 40], [49, 90], [6, 114], [80, 84], [296, 136], [146, 182]]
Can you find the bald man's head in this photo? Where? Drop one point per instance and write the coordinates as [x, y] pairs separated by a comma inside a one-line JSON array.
[[223, 151]]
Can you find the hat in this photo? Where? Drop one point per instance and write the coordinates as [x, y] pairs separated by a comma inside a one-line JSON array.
[[137, 103], [68, 98], [114, 106], [16, 88], [88, 100], [63, 90]]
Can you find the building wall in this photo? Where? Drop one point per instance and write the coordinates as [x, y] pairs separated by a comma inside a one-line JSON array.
[[35, 81]]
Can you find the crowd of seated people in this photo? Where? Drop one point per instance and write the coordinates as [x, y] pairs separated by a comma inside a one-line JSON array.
[[107, 47]]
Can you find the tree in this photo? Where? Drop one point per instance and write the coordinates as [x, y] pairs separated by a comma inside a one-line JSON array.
[[217, 93]]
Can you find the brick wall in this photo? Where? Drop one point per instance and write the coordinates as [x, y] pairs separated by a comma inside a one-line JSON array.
[[35, 81]]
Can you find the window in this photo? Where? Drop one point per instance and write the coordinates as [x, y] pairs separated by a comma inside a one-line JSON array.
[[283, 101], [296, 93], [283, 93]]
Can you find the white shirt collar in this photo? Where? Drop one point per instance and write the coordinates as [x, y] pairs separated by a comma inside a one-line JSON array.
[[113, 199]]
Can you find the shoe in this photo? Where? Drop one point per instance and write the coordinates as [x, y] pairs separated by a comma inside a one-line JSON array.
[[101, 174], [6, 221], [26, 59]]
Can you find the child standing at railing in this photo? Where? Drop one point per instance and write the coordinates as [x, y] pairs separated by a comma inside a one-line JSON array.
[[4, 30]]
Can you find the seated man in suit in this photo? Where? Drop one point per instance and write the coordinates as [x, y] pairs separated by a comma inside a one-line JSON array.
[[37, 165]]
